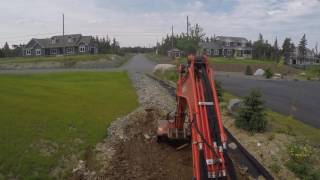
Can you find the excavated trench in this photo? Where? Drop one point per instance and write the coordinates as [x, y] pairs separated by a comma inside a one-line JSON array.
[[131, 151]]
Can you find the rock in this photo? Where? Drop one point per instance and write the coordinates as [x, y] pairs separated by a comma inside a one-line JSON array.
[[244, 170], [163, 67], [232, 146], [277, 76], [258, 144], [234, 105], [259, 72], [146, 136]]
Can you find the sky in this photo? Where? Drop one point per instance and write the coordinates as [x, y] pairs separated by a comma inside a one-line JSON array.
[[144, 22]]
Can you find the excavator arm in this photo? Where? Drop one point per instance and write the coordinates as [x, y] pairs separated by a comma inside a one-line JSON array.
[[198, 119]]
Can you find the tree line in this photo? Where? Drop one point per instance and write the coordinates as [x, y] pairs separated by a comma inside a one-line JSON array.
[[262, 49], [6, 51]]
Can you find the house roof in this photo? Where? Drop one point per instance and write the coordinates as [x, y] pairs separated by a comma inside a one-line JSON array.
[[231, 39], [174, 50], [211, 45], [60, 41]]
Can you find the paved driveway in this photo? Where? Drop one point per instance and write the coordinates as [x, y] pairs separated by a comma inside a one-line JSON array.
[[301, 99], [139, 63]]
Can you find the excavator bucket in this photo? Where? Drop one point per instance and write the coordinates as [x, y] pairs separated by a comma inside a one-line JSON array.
[[163, 130]]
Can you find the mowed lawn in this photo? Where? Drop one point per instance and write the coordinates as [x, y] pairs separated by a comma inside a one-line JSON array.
[[48, 121]]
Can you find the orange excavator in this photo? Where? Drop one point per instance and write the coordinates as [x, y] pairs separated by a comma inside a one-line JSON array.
[[198, 120]]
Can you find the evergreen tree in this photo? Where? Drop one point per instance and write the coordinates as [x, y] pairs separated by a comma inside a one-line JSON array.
[[276, 51], [302, 48], [258, 48], [286, 50], [1, 53], [251, 116], [6, 50]]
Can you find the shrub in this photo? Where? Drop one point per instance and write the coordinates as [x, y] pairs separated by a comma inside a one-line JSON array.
[[219, 90], [268, 73], [300, 161], [249, 71], [251, 116], [275, 167]]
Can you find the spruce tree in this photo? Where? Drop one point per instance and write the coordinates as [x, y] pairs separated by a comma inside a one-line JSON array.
[[286, 50], [6, 50], [276, 52], [252, 116], [302, 48]]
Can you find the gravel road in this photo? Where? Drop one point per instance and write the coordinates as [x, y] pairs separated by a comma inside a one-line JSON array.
[[301, 99]]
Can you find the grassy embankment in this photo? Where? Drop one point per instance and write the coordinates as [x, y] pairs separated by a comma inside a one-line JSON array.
[[74, 58], [232, 64], [48, 121]]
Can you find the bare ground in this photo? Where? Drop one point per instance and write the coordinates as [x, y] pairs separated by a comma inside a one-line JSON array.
[[130, 151]]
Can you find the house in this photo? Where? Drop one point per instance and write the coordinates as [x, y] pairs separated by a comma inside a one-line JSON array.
[[310, 59], [61, 45], [224, 46], [174, 53]]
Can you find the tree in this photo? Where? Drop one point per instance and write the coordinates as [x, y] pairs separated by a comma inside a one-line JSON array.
[[258, 48], [286, 50], [276, 51], [252, 116], [1, 53], [302, 48], [249, 70], [6, 50], [268, 73]]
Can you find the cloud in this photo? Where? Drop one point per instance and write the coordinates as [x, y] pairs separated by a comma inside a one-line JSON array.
[[143, 22]]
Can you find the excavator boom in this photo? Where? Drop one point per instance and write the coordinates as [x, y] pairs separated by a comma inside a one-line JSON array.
[[198, 119]]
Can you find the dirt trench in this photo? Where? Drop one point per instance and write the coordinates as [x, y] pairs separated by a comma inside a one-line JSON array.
[[130, 151]]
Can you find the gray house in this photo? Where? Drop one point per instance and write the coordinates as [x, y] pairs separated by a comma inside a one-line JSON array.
[[237, 47], [61, 45], [174, 53], [310, 59]]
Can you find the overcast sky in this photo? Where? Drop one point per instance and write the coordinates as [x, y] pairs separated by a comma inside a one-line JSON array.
[[144, 22]]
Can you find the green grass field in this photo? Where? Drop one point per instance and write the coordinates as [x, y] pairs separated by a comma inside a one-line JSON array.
[[57, 58], [48, 119]]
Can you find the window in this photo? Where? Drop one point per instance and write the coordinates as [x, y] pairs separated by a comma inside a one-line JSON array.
[[38, 52], [28, 52], [69, 50], [82, 48], [53, 51], [216, 52], [53, 41], [227, 43], [229, 52], [70, 40]]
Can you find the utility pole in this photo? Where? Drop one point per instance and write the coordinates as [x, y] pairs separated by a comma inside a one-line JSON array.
[[63, 48], [188, 26], [172, 37], [62, 24]]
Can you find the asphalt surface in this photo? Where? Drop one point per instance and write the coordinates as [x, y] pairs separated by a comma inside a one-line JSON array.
[[301, 99], [139, 63]]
